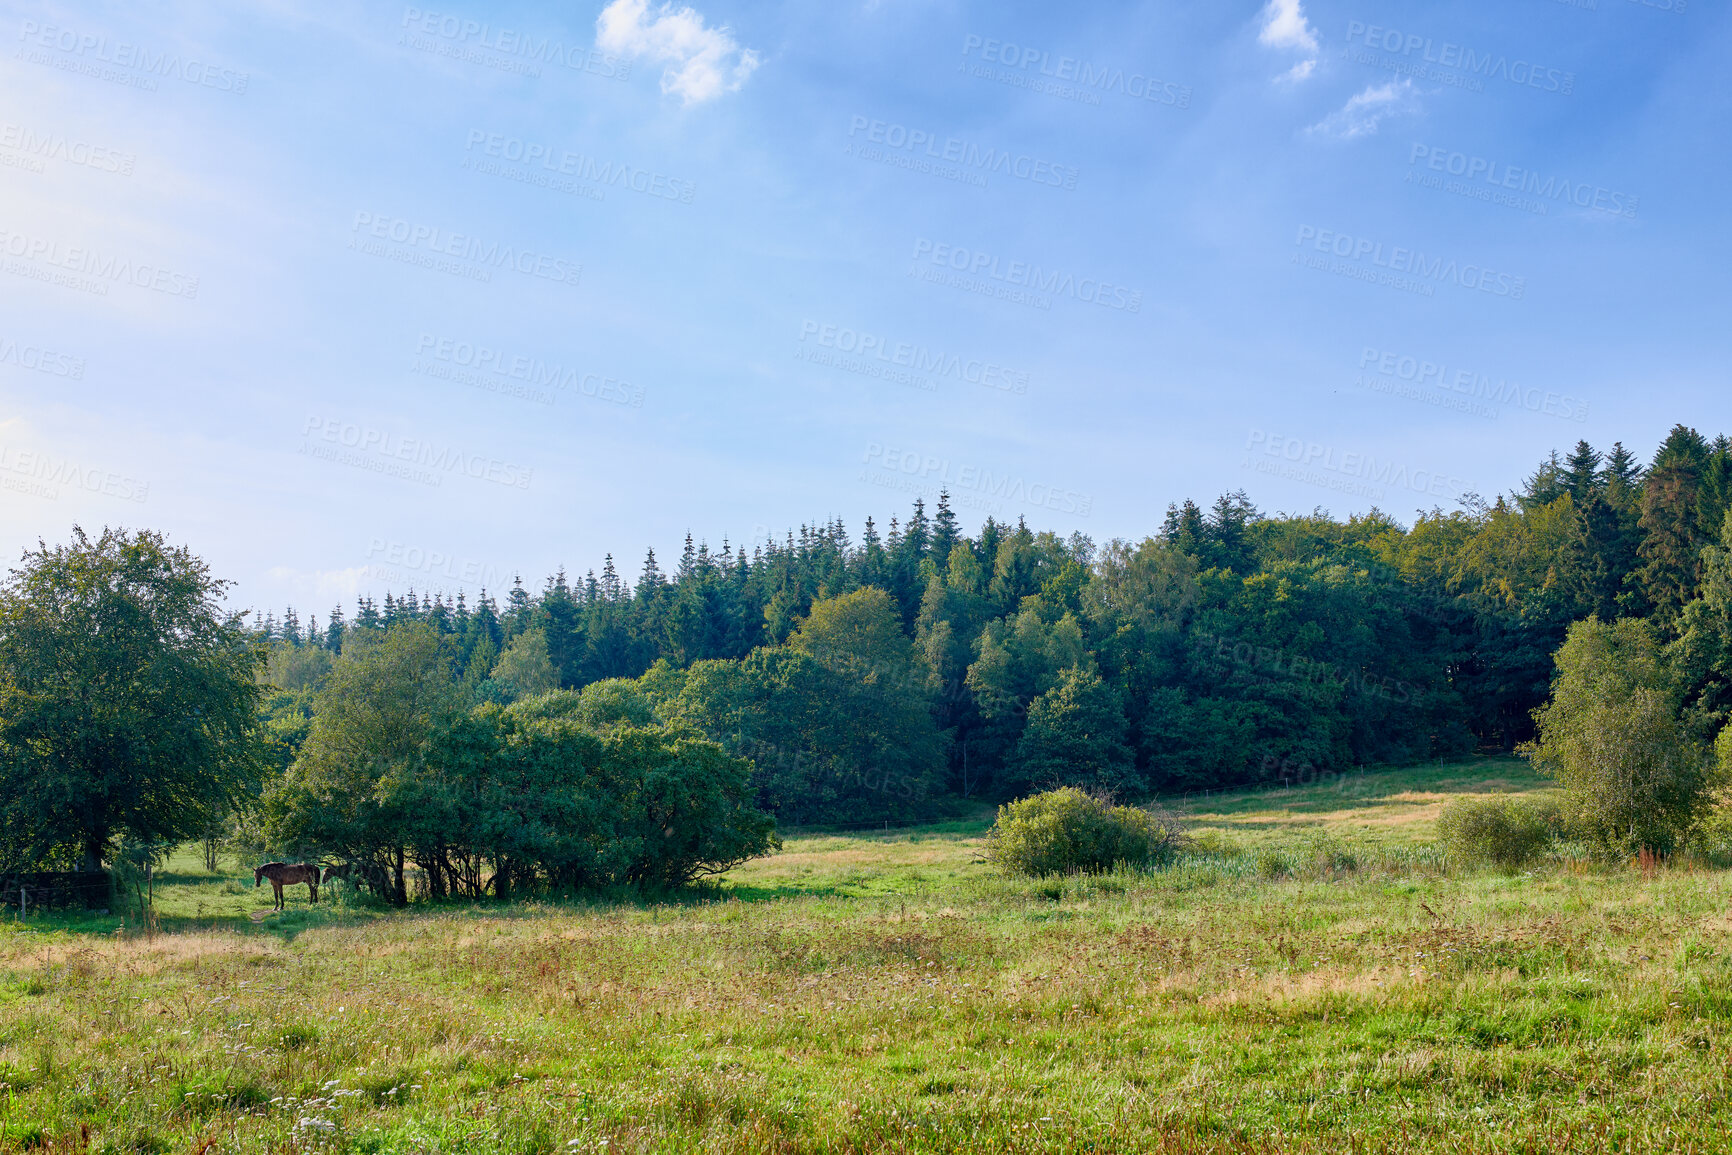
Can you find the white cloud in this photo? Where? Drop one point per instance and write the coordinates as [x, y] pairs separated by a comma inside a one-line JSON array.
[[1364, 111], [702, 62], [1285, 26]]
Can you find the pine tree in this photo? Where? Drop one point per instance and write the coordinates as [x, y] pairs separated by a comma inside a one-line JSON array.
[[1186, 531], [1621, 471], [557, 617], [945, 531], [516, 607], [1671, 539], [1581, 474], [1229, 516], [872, 566], [367, 616], [1545, 486], [651, 581]]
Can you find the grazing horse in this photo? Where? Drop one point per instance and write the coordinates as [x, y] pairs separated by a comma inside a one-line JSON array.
[[285, 874]]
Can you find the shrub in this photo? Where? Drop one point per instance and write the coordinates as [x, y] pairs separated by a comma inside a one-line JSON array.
[[1325, 854], [1273, 865], [1614, 737], [1069, 831], [1501, 832]]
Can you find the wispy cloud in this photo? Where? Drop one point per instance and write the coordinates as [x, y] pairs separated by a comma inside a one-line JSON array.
[[1285, 27], [702, 62], [1364, 111]]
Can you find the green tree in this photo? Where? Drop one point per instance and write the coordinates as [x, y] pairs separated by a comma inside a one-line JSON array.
[[1076, 737], [361, 786], [128, 699], [838, 723], [525, 667], [1613, 736]]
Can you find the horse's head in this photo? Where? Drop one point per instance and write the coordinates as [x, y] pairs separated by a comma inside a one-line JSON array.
[[258, 876]]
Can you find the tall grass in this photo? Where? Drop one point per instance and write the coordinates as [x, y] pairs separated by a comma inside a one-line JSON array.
[[1312, 990]]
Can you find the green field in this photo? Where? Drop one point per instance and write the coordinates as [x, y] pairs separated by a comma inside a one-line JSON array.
[[1314, 978]]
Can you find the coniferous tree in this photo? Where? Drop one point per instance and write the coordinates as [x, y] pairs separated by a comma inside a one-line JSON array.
[[1581, 475], [1672, 535], [946, 533], [1545, 485]]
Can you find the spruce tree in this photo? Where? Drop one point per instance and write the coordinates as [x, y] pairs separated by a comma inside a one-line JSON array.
[[1582, 472], [945, 532], [1544, 486], [1622, 471]]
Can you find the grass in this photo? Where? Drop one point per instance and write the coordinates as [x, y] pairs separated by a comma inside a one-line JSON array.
[[887, 991]]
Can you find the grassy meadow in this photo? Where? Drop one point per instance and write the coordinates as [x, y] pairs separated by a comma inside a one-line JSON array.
[[1314, 977]]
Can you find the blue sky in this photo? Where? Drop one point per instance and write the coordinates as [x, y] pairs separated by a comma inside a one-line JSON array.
[[432, 295]]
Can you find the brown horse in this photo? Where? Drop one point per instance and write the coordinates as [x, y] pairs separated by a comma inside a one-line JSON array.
[[284, 874]]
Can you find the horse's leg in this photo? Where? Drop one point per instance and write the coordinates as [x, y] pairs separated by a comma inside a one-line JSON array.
[[313, 889], [277, 888]]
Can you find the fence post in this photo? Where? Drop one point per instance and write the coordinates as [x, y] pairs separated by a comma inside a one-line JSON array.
[[21, 899]]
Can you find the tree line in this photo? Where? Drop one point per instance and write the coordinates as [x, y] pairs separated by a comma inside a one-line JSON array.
[[1229, 648], [823, 679]]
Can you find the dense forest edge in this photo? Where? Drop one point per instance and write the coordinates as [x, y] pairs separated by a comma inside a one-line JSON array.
[[598, 733]]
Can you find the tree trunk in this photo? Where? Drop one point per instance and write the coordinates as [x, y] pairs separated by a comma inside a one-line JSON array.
[[399, 895], [94, 846]]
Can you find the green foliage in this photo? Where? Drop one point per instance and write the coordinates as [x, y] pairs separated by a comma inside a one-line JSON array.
[[1240, 647], [297, 668], [1501, 832], [128, 699], [1070, 831], [563, 790], [525, 669], [838, 723], [1076, 737], [1613, 736]]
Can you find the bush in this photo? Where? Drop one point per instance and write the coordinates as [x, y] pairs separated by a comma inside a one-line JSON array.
[[1501, 832], [1613, 735], [1069, 831]]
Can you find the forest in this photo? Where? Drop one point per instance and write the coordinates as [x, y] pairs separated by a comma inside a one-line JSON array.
[[890, 677]]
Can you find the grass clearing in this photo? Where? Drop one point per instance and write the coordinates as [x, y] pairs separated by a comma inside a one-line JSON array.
[[886, 991]]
